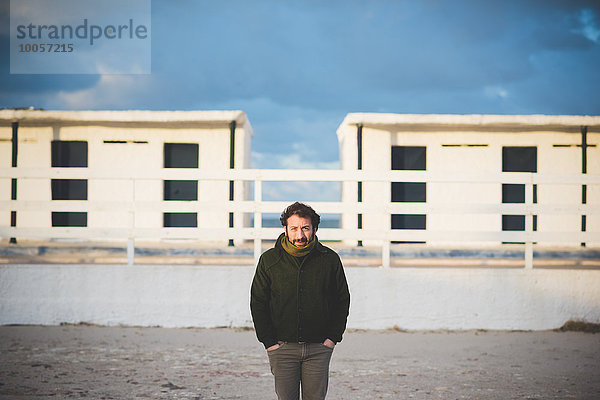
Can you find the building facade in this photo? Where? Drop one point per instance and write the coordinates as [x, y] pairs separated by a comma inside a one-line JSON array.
[[113, 158], [435, 176]]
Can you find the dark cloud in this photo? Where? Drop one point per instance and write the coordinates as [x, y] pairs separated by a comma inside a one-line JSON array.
[[359, 55], [28, 84], [336, 57], [21, 87]]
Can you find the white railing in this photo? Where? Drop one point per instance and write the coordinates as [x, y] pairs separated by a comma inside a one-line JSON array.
[[257, 206]]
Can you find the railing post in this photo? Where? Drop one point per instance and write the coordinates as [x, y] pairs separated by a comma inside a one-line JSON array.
[[130, 251], [257, 219], [131, 238], [385, 245], [385, 253], [528, 255]]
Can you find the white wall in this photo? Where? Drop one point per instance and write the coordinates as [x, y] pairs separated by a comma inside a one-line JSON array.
[[143, 135], [211, 296], [450, 161]]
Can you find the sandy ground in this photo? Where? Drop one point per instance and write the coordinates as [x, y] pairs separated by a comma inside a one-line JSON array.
[[156, 363]]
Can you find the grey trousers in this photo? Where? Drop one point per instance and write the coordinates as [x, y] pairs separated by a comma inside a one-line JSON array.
[[295, 364]]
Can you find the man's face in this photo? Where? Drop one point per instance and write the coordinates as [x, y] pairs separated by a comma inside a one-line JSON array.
[[299, 230]]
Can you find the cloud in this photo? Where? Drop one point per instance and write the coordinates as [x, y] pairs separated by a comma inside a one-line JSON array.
[[289, 161], [495, 92], [16, 87], [282, 130], [298, 67], [589, 25], [358, 55], [111, 92], [301, 191]]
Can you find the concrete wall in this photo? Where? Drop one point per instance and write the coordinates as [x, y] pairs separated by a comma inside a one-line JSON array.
[[211, 296]]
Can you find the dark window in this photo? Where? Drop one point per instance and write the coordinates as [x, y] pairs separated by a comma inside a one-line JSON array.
[[513, 222], [69, 153], [180, 220], [409, 158], [519, 159], [181, 155], [69, 189], [513, 193], [69, 219], [181, 190], [408, 221], [409, 192]]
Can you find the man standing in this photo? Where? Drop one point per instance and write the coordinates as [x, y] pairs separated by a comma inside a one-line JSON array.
[[299, 302]]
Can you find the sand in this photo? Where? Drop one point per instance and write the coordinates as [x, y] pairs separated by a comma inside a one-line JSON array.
[[156, 363]]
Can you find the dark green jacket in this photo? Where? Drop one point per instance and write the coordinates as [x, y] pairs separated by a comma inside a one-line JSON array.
[[299, 300]]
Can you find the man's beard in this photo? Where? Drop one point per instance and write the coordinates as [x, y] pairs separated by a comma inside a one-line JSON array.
[[300, 242], [297, 242]]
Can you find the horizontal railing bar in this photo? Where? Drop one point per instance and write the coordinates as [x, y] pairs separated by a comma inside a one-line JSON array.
[[275, 207], [285, 175], [213, 234]]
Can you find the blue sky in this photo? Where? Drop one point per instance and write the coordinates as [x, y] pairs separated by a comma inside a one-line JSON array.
[[298, 67]]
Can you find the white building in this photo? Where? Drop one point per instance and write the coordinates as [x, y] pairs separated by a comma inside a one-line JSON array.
[[434, 175], [93, 155]]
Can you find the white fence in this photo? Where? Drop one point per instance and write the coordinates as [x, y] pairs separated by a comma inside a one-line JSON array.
[[258, 207]]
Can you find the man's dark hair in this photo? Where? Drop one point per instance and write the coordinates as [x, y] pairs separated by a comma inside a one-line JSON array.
[[301, 210]]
